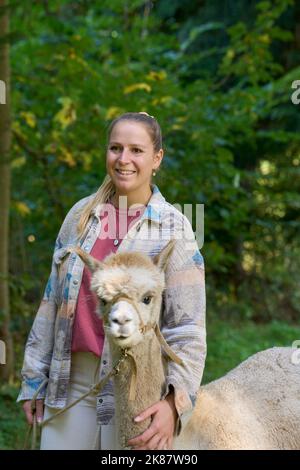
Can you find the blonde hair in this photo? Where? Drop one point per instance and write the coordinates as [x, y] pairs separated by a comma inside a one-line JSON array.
[[107, 188], [104, 193]]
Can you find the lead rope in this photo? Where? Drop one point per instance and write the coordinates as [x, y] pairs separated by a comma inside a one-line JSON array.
[[97, 436], [144, 328], [33, 428], [173, 356], [96, 388]]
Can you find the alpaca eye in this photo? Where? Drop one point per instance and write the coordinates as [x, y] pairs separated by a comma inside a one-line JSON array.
[[102, 302], [147, 300]]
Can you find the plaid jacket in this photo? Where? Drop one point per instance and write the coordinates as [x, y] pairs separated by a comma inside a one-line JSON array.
[[48, 348]]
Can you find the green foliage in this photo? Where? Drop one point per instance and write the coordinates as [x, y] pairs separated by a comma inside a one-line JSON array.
[[13, 427], [218, 78], [249, 57], [230, 343]]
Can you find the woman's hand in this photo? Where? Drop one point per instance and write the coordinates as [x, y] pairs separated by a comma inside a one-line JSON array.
[[39, 411], [160, 433]]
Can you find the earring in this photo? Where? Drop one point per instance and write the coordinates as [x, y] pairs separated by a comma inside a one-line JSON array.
[[153, 173]]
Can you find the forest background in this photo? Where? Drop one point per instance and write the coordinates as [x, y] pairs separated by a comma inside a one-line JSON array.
[[219, 78]]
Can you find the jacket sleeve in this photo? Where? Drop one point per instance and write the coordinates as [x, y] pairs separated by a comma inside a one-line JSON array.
[[183, 322], [40, 342], [39, 345]]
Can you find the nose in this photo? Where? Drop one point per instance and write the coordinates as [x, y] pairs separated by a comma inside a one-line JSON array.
[[121, 313], [124, 156], [120, 319]]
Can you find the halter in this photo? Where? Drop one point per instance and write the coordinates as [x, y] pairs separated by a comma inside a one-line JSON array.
[[143, 329], [96, 388]]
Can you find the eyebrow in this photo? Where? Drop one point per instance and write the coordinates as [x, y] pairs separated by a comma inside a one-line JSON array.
[[133, 145]]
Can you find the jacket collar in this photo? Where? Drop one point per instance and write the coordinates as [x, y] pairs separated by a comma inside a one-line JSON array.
[[154, 208]]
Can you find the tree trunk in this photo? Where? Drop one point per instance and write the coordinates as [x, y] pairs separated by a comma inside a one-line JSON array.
[[6, 371]]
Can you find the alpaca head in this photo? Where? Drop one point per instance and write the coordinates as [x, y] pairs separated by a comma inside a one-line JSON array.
[[129, 288]]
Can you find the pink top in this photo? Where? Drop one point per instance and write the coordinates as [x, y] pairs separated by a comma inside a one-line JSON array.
[[88, 333]]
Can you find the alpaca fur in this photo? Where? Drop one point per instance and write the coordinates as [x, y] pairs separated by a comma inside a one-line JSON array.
[[254, 406], [147, 353]]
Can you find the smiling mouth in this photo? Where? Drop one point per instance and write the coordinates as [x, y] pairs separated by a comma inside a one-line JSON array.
[[125, 172]]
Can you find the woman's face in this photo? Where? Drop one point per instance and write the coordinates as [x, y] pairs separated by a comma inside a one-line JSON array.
[[130, 157]]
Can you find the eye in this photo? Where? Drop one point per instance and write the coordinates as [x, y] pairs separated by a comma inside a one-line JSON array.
[[147, 299], [114, 147], [103, 302], [137, 150]]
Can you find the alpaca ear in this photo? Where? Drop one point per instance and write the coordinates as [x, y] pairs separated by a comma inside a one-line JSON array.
[[161, 259], [92, 263]]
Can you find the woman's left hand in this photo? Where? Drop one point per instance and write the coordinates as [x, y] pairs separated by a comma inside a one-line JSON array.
[[160, 433]]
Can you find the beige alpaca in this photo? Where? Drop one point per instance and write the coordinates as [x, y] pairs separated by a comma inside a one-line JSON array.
[[255, 406]]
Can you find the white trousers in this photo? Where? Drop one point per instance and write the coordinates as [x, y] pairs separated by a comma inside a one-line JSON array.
[[76, 428]]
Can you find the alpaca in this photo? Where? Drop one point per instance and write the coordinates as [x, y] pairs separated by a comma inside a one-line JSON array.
[[129, 287], [254, 406]]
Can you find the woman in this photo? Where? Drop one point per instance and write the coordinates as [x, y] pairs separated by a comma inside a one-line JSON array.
[[67, 338]]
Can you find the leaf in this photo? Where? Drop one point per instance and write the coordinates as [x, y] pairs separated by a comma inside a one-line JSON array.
[[156, 76], [164, 100], [22, 208], [18, 162], [113, 112], [67, 157], [87, 159], [29, 117], [236, 180], [137, 86], [67, 115]]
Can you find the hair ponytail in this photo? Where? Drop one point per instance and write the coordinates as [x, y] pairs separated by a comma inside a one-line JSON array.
[[104, 193]]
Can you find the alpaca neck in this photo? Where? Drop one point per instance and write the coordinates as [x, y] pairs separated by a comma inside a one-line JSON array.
[[149, 386]]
